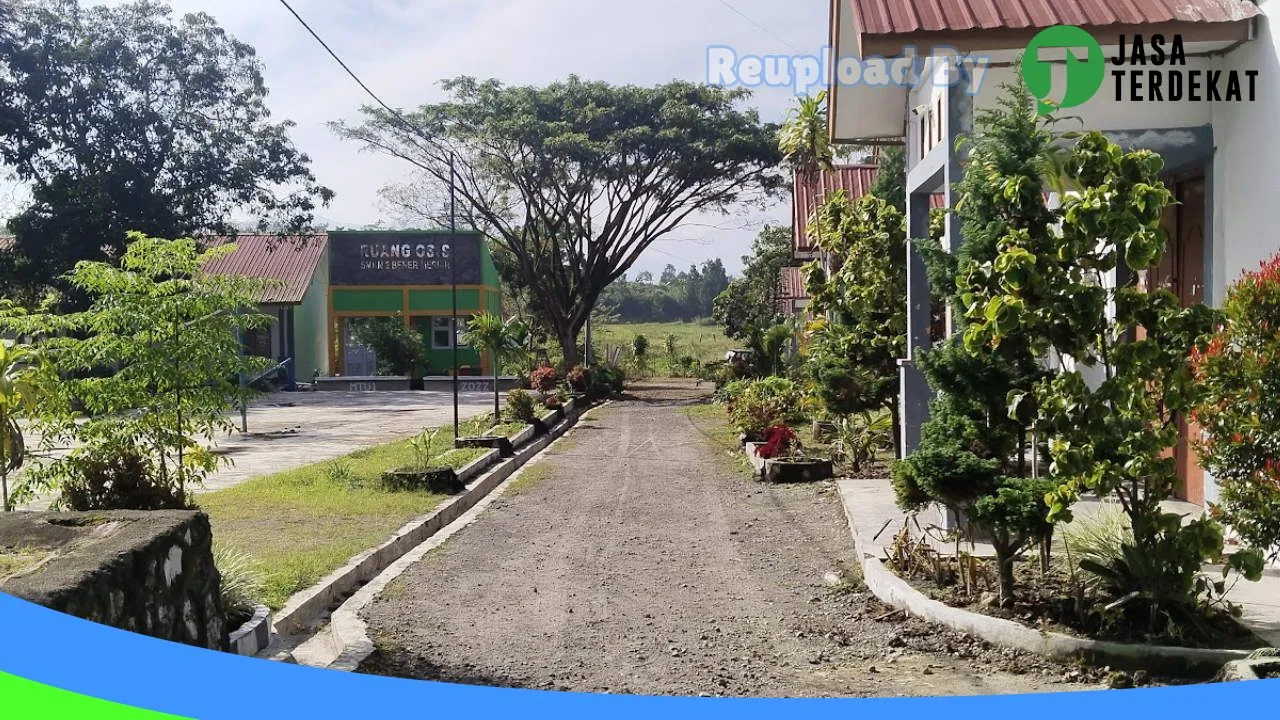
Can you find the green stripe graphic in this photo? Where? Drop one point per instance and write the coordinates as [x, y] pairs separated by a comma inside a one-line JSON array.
[[26, 700]]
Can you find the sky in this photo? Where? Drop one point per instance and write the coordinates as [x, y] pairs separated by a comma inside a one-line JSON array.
[[403, 48]]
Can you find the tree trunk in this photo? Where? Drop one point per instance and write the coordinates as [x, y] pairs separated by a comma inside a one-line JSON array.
[[896, 409], [567, 337], [1004, 561], [4, 489], [493, 365]]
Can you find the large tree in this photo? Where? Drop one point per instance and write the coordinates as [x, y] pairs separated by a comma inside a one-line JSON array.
[[577, 179], [750, 302], [128, 118]]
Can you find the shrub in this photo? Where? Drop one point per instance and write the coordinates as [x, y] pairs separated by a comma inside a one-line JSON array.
[[544, 379], [640, 347], [672, 345], [606, 380], [115, 477], [779, 441], [521, 406], [1240, 372], [242, 586], [577, 378], [859, 438], [762, 404]]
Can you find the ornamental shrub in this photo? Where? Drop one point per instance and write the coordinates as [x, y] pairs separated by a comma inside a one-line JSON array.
[[544, 379], [765, 403], [1239, 372], [521, 406]]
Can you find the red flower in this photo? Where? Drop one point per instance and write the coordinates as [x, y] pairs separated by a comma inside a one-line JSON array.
[[777, 440]]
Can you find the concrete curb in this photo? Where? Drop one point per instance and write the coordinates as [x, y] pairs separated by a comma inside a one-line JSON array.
[[344, 637], [896, 592], [305, 607], [254, 636]]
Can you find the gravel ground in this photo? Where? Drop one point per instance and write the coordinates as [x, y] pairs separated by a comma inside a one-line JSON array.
[[636, 558]]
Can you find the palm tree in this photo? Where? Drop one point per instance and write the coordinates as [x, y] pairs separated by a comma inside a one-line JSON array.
[[19, 390], [501, 340]]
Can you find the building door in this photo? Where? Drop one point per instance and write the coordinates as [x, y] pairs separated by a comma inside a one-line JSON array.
[[358, 360], [1182, 272]]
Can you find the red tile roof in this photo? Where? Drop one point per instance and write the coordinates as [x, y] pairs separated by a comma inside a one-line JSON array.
[[893, 17], [6, 242], [855, 180], [291, 261]]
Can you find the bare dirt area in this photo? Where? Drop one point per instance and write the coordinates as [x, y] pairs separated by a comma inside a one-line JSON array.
[[635, 559]]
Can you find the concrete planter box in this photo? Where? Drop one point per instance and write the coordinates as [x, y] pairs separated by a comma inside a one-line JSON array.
[[803, 470], [469, 383], [757, 462], [254, 636], [503, 445], [548, 420], [1254, 668], [441, 480], [524, 436], [362, 384]]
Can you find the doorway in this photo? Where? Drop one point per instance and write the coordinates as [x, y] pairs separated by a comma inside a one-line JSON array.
[[1182, 271]]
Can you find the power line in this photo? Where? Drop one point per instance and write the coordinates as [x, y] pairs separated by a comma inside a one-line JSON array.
[[759, 26], [395, 113]]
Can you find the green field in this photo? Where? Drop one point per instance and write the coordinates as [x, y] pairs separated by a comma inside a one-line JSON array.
[[704, 342]]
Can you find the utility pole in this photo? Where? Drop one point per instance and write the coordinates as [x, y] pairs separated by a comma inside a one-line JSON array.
[[453, 279]]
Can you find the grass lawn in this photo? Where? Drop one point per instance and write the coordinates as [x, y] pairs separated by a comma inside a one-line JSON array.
[[707, 343], [300, 525]]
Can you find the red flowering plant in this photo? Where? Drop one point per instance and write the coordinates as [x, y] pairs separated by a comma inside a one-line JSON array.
[[1239, 372], [544, 379], [779, 441]]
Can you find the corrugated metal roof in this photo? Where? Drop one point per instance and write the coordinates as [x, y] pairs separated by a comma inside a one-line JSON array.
[[893, 17], [290, 261], [809, 191], [855, 180], [791, 284]]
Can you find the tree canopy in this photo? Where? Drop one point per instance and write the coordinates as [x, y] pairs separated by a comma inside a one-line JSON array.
[[750, 302], [578, 178], [129, 118]]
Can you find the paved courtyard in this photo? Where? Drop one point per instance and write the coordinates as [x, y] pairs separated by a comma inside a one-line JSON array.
[[288, 430]]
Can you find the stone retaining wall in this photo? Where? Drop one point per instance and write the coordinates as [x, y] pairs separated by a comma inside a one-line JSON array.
[[146, 572]]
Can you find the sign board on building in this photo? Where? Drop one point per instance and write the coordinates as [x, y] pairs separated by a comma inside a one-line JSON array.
[[403, 258]]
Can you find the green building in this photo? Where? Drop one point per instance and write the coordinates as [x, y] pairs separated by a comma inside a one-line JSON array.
[[320, 287], [410, 274]]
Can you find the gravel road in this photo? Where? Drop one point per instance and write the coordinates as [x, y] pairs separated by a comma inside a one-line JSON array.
[[638, 558]]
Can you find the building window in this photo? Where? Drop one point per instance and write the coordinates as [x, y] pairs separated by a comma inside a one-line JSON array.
[[444, 332]]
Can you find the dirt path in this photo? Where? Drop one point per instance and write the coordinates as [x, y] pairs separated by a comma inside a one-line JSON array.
[[641, 560]]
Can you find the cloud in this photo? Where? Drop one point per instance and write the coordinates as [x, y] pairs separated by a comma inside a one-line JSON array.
[[403, 48]]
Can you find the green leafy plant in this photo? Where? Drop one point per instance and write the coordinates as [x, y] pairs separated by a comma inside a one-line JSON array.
[[423, 445], [973, 453], [859, 438], [758, 405], [672, 345], [521, 406], [398, 348], [640, 348], [24, 383], [804, 138], [117, 477], [576, 379], [242, 586], [153, 362], [853, 355], [1239, 372], [502, 341]]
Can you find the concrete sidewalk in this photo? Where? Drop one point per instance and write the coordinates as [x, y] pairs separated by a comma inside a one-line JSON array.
[[875, 517]]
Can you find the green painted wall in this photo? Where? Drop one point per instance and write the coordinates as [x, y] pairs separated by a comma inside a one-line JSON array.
[[374, 301], [442, 300], [311, 326]]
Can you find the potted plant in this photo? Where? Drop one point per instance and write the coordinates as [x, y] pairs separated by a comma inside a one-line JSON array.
[[785, 460], [422, 474]]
